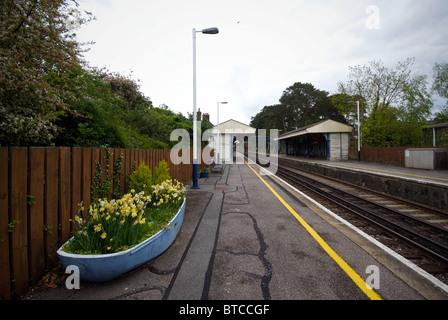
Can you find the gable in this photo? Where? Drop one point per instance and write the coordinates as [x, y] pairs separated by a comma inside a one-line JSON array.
[[234, 126]]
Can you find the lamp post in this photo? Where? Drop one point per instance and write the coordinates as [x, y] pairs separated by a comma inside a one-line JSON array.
[[195, 126], [219, 135], [359, 132]]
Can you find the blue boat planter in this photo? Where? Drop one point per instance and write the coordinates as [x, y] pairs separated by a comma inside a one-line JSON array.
[[104, 267]]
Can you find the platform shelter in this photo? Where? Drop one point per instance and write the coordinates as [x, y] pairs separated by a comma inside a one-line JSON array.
[[326, 139]]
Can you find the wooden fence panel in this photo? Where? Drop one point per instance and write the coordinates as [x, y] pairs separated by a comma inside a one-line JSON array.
[[87, 164], [387, 155], [5, 271], [36, 245], [19, 218], [76, 179], [64, 194], [40, 192], [51, 205]]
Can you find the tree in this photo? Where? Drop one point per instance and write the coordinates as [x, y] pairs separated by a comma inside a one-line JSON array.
[[348, 108], [306, 105], [393, 96], [440, 86], [48, 95], [271, 117], [301, 104], [38, 57]]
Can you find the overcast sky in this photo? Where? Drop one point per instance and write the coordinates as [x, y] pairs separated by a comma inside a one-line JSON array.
[[263, 46]]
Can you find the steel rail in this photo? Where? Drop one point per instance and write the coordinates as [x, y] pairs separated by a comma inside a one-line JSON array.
[[393, 228], [386, 208]]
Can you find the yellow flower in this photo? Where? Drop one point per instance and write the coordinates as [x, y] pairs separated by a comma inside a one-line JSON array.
[[103, 236], [97, 228], [108, 248]]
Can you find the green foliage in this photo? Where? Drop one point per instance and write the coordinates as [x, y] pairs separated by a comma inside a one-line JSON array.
[[12, 224], [102, 187], [49, 96], [348, 107], [395, 102], [300, 105], [117, 225], [440, 84], [37, 56], [141, 179], [161, 173]]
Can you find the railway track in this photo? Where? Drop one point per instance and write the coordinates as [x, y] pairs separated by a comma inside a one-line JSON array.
[[418, 233]]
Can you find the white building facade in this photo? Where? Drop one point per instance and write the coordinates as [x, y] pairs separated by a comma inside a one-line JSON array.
[[231, 136]]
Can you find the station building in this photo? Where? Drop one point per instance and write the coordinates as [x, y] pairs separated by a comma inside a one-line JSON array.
[[229, 136], [326, 139]]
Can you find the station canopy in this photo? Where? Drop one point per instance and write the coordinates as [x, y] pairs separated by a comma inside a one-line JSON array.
[[325, 126]]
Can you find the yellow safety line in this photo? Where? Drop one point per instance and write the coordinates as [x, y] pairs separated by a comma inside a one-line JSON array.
[[344, 266]]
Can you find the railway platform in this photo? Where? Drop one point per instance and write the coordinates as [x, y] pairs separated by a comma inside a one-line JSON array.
[[427, 187], [249, 236], [431, 176]]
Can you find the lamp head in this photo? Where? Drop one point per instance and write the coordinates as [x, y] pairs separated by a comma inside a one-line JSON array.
[[210, 31]]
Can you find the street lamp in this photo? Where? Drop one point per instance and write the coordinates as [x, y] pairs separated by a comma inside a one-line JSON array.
[[195, 128], [219, 135], [359, 133]]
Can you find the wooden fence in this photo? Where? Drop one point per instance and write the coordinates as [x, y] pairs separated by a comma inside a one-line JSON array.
[[40, 189], [389, 155]]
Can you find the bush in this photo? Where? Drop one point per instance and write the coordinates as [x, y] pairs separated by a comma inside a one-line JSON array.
[[141, 179], [161, 173]]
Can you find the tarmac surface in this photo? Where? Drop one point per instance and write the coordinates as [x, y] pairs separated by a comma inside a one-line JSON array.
[[240, 242]]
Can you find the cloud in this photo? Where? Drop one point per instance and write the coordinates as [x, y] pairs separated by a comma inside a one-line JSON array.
[[263, 47]]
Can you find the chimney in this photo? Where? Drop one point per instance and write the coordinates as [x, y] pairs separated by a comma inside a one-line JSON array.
[[206, 116], [199, 113]]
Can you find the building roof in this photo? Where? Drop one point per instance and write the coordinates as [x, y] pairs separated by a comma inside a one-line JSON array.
[[438, 125], [235, 127], [325, 126]]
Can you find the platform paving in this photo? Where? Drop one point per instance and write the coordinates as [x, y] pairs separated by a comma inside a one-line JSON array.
[[238, 241], [422, 175]]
